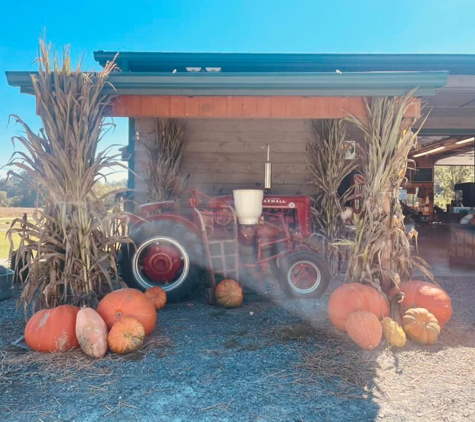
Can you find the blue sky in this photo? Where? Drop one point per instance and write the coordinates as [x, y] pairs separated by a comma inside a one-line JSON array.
[[365, 26]]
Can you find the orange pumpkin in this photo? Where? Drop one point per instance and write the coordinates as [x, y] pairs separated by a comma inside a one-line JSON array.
[[126, 336], [128, 303], [53, 330], [364, 329], [353, 297], [158, 297], [229, 294], [91, 332], [421, 326], [420, 294]]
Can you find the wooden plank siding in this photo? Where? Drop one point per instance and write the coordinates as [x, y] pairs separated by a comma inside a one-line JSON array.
[[244, 107], [226, 154]]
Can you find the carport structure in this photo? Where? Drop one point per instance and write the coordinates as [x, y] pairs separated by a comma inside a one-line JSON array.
[[234, 103]]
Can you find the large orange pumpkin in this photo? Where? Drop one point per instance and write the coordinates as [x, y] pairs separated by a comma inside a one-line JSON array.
[[53, 330], [158, 297], [353, 297], [91, 331], [229, 294], [126, 336], [420, 294], [128, 303], [364, 329]]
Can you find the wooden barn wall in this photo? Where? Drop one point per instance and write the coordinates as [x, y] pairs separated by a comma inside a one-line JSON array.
[[226, 154]]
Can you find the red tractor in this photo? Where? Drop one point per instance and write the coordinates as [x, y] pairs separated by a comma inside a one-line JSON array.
[[245, 237], [175, 242]]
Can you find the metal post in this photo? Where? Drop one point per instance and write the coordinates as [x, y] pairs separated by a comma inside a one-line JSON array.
[[268, 173]]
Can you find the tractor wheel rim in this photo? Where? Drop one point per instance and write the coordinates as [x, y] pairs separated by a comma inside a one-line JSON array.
[[304, 277], [145, 281]]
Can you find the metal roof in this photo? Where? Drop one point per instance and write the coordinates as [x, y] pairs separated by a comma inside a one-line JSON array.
[[307, 84], [455, 64]]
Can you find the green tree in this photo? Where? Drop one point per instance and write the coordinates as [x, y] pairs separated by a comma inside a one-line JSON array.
[[445, 177], [4, 200], [19, 193], [106, 190]]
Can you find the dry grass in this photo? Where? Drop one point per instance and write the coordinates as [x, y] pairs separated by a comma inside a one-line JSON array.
[[14, 212], [428, 382], [5, 244], [295, 332], [7, 215], [69, 365], [341, 363], [401, 376]]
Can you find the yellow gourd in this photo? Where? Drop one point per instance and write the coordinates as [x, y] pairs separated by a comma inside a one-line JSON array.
[[393, 332]]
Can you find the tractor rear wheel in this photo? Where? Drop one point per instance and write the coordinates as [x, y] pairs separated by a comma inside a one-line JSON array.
[[166, 254], [304, 274]]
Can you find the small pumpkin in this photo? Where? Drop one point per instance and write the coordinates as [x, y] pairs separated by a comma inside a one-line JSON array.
[[128, 303], [53, 330], [421, 294], [158, 297], [421, 326], [126, 336], [91, 331], [364, 329], [229, 294], [353, 297]]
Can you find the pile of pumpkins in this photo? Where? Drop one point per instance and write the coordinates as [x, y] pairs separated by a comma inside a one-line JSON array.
[[122, 320], [120, 323], [418, 309]]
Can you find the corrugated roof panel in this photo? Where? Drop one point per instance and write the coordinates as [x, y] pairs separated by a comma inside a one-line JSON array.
[[456, 64]]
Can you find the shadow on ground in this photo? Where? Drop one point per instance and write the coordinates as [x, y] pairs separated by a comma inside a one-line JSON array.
[[266, 361]]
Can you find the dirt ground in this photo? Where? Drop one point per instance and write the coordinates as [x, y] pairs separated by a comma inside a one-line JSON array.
[[271, 360], [13, 212]]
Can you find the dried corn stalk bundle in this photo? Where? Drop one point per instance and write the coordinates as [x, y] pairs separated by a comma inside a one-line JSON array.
[[164, 156], [326, 162], [382, 254], [68, 247]]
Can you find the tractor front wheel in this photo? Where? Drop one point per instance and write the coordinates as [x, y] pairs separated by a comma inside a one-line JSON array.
[[304, 274], [167, 255]]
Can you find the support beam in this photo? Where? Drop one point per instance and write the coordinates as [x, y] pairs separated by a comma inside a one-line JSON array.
[[131, 173], [245, 107]]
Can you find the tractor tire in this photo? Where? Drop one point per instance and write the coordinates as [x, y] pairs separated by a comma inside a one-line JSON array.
[[159, 245], [303, 274]]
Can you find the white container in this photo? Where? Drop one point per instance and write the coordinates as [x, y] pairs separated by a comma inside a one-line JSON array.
[[248, 205]]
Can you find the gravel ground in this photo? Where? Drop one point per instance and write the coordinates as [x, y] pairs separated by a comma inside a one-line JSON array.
[[246, 365]]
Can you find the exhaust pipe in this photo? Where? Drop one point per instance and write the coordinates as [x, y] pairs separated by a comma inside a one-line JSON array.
[[267, 172]]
